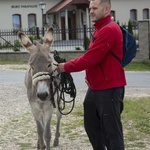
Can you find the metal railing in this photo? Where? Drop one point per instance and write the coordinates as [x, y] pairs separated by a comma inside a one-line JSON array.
[[67, 39]]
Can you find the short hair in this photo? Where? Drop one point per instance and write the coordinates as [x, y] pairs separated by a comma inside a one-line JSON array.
[[104, 1]]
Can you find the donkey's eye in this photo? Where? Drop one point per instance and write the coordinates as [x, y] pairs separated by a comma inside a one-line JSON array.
[[49, 65]]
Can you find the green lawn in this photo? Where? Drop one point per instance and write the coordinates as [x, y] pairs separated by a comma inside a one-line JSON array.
[[133, 66], [141, 66], [4, 62], [135, 120]]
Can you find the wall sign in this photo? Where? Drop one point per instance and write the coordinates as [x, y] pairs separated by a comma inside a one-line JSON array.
[[23, 6]]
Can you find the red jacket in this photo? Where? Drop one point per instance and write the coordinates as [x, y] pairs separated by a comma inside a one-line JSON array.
[[103, 70]]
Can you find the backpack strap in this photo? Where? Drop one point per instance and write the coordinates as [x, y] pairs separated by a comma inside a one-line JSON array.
[[111, 52], [114, 55]]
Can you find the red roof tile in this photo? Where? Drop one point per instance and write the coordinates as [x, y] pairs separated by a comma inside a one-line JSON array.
[[65, 4]]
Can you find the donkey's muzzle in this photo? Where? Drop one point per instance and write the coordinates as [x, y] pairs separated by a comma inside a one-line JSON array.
[[42, 96]]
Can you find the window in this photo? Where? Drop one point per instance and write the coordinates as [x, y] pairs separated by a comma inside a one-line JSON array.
[[133, 15], [16, 20], [113, 13], [31, 20], [145, 13]]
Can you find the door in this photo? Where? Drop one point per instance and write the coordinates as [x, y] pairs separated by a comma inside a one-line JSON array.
[[63, 33], [72, 25]]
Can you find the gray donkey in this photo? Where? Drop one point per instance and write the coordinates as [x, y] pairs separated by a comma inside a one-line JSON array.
[[37, 81]]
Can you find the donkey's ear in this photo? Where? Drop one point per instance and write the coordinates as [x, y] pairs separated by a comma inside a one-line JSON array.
[[26, 42], [48, 38]]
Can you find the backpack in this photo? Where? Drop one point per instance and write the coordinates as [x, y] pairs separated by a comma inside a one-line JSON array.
[[129, 48]]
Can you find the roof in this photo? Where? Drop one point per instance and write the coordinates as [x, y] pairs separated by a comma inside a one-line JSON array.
[[65, 4]]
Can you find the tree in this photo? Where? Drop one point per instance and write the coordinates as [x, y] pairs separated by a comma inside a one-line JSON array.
[[130, 27], [124, 25], [118, 22]]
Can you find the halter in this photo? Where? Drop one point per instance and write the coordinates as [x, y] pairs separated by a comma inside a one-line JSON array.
[[66, 86], [40, 76]]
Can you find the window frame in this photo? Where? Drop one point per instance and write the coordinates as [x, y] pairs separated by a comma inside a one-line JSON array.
[[16, 20]]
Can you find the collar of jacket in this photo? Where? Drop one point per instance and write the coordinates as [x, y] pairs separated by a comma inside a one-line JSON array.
[[102, 22]]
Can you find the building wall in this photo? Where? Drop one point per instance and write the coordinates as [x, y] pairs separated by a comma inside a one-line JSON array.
[[10, 7], [123, 7]]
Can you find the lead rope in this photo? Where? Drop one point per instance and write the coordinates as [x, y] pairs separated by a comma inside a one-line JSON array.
[[66, 87]]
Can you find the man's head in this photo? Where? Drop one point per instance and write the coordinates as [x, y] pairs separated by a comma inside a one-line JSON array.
[[99, 9]]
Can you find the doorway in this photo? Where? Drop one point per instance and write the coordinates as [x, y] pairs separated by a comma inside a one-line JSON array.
[[71, 26]]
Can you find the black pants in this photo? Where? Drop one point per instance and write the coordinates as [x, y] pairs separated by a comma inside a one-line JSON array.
[[102, 119]]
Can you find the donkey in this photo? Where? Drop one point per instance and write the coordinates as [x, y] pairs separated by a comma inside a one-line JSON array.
[[37, 81]]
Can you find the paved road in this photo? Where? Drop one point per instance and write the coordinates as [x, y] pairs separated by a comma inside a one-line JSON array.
[[134, 79]]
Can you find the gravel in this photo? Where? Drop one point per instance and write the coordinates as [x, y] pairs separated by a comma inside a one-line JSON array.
[[17, 126]]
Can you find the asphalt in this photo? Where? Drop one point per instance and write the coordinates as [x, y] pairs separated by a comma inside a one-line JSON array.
[[134, 79]]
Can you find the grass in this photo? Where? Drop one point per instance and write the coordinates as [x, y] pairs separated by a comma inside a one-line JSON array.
[[138, 66], [4, 62], [135, 119], [133, 66], [136, 122]]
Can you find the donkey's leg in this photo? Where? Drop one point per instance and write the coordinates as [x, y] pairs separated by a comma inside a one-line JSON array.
[[47, 134], [57, 134], [47, 128], [40, 130]]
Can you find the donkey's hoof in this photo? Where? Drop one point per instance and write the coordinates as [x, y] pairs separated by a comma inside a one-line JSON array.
[[39, 147], [56, 143]]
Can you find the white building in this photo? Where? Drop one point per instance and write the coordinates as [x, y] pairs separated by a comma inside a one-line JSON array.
[[22, 14], [64, 14], [135, 10]]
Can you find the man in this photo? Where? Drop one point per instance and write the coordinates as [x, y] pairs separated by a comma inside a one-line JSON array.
[[105, 78]]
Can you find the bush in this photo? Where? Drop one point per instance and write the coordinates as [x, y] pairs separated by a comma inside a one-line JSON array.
[[0, 45], [130, 27], [34, 37], [15, 49], [118, 22], [17, 43], [31, 37], [6, 44], [124, 26], [78, 48]]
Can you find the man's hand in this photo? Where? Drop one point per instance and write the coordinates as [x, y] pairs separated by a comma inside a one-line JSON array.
[[60, 67]]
